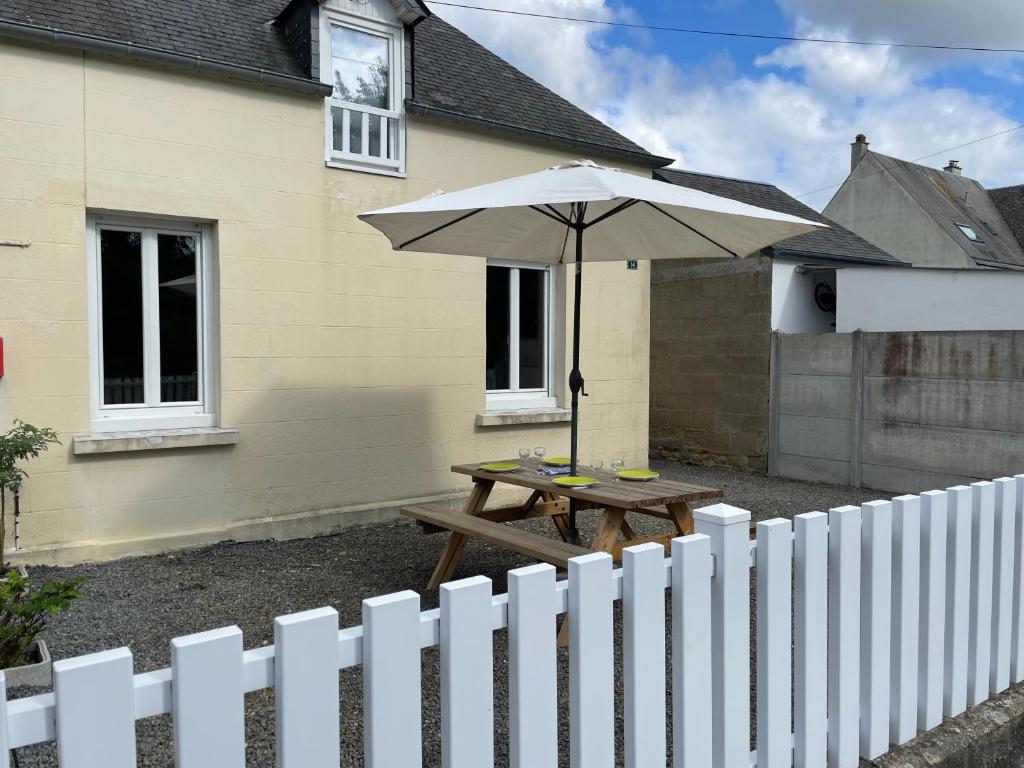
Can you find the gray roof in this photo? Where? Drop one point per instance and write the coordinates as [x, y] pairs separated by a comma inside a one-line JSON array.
[[833, 245], [1010, 202], [233, 31], [951, 199], [454, 77]]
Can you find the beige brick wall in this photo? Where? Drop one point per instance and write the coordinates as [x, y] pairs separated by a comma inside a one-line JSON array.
[[710, 343], [354, 373]]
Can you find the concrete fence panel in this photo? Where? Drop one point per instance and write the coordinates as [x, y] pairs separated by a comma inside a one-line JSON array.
[[897, 411]]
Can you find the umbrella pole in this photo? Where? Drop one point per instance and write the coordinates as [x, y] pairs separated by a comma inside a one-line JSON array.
[[575, 379]]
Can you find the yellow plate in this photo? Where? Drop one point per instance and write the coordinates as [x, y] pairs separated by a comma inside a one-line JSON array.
[[638, 474], [557, 461], [499, 467], [575, 482]]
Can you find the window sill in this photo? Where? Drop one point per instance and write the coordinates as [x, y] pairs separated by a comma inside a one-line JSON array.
[[152, 440], [360, 168], [510, 418]]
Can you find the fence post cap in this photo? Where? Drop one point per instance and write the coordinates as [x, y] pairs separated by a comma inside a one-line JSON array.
[[722, 514], [303, 616], [204, 637], [468, 583], [396, 597], [587, 559]]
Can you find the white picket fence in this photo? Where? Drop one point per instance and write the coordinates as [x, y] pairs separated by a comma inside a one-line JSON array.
[[887, 616]]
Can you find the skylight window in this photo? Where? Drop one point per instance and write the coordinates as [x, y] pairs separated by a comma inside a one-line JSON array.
[[969, 233]]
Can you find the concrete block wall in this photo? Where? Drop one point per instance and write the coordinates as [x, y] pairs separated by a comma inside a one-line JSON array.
[[899, 411], [710, 340]]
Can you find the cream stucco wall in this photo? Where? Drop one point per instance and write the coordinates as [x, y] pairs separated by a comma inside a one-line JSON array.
[[353, 373]]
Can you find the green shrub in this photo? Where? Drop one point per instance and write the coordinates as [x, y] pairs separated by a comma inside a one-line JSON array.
[[24, 613], [23, 441]]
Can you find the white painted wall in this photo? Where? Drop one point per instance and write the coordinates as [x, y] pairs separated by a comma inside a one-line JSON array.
[[793, 307], [880, 299]]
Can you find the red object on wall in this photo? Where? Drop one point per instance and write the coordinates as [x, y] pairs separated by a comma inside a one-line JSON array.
[[1, 357]]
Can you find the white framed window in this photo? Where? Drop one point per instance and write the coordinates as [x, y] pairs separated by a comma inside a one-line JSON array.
[[519, 356], [365, 123], [151, 321]]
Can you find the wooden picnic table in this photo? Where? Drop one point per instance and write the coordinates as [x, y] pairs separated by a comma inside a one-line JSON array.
[[666, 499]]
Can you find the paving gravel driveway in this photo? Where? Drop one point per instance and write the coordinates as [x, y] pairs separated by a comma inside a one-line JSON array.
[[143, 602]]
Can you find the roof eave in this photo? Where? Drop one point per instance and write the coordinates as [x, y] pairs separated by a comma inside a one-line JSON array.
[[992, 263], [824, 258], [32, 33], [425, 110]]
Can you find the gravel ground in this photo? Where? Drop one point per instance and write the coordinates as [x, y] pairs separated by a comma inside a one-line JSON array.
[[143, 602]]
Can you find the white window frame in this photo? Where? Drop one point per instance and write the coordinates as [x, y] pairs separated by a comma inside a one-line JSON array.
[[352, 160], [515, 398], [152, 415]]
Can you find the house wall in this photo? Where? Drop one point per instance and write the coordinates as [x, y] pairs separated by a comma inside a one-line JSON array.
[[793, 306], [353, 373], [873, 205], [710, 326], [900, 412], [929, 300]]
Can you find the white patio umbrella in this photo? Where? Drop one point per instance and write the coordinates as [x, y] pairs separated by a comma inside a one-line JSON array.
[[532, 217]]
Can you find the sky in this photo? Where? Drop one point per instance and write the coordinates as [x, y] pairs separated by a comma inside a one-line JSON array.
[[783, 112]]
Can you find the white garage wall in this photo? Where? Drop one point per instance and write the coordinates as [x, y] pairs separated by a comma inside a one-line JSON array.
[[793, 307], [880, 299]]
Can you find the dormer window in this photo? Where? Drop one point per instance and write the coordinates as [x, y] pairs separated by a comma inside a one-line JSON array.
[[362, 59]]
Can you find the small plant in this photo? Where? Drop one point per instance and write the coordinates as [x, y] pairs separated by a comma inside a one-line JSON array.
[[24, 613], [22, 442]]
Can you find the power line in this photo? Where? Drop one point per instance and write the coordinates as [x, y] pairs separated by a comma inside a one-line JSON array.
[[919, 159], [720, 33], [758, 36]]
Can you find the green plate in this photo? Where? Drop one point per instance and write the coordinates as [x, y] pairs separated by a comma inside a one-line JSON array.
[[637, 474], [575, 482], [557, 461], [499, 467]]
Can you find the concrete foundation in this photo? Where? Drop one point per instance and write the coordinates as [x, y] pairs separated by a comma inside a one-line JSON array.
[[990, 735]]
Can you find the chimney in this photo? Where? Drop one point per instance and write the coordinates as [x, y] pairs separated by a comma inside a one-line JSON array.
[[954, 167], [858, 149]]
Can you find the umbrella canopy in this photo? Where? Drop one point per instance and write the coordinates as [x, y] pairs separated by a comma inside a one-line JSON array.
[[527, 218], [544, 216]]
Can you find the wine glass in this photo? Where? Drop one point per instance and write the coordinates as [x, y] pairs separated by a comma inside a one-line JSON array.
[[539, 453], [524, 453], [597, 465], [618, 463]]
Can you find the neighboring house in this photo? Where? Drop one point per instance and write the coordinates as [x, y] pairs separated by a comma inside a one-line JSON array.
[[930, 217], [711, 326], [187, 296]]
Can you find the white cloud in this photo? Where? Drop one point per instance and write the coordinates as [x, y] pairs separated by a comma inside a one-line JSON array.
[[988, 23], [843, 72], [791, 121]]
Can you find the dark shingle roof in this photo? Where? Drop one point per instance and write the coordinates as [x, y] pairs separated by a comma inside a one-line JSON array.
[[234, 31], [951, 199], [455, 74], [454, 77], [1010, 202], [833, 244]]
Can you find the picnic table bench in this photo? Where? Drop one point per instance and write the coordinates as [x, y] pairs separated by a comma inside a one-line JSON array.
[[665, 499]]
